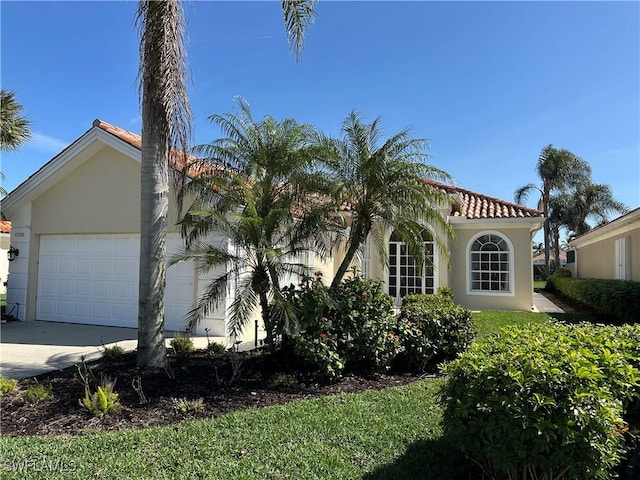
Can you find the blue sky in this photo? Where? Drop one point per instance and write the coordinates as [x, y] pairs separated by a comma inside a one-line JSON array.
[[489, 83]]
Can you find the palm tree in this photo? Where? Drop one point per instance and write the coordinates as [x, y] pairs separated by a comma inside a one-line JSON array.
[[559, 170], [166, 124], [166, 121], [14, 127], [385, 188], [589, 201], [257, 188]]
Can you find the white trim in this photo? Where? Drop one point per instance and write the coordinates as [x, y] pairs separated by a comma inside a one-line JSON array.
[[512, 289], [619, 226], [464, 223], [436, 263]]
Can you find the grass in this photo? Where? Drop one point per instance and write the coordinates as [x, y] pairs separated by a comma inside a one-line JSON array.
[[368, 435], [376, 435]]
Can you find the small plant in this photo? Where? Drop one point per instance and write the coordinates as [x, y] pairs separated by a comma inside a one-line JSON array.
[[182, 346], [215, 348], [184, 405], [284, 381], [136, 384], [38, 393], [113, 353], [104, 401], [7, 385]]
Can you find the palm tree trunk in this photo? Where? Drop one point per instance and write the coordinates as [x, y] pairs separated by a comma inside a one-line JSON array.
[[154, 206], [348, 258]]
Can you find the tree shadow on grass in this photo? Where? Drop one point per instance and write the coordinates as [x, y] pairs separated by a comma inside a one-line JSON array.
[[435, 459]]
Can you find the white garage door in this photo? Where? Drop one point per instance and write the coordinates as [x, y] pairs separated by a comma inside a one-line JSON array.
[[93, 279]]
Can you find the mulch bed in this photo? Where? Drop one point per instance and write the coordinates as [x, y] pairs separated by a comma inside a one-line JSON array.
[[261, 380]]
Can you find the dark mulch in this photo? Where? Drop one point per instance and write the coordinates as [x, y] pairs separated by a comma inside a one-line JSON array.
[[261, 380]]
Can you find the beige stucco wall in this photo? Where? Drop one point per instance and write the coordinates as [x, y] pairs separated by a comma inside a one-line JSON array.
[[522, 296], [100, 196], [596, 260]]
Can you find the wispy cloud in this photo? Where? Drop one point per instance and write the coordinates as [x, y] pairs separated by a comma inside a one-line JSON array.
[[47, 143], [135, 121]]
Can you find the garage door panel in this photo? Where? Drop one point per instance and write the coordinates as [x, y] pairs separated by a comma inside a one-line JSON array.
[[94, 279]]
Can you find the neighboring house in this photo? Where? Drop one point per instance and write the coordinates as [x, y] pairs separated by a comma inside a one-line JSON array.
[[538, 263], [76, 224], [5, 244], [608, 251]]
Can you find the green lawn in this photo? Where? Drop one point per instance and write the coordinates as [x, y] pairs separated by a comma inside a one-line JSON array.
[[389, 434]]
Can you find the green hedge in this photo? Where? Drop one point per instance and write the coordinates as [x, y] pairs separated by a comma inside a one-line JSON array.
[[616, 298], [545, 401]]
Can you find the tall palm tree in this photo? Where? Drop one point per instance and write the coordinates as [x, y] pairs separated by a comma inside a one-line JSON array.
[[385, 187], [166, 125], [14, 127], [559, 170], [257, 188]]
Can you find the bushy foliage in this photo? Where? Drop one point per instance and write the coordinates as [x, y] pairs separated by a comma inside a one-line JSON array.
[[433, 325], [616, 298], [7, 385], [545, 401], [355, 327], [351, 328]]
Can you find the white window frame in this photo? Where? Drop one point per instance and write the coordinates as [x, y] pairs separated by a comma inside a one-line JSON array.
[[492, 293], [436, 265]]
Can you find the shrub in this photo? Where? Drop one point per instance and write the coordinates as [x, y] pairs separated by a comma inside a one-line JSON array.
[[38, 393], [7, 385], [103, 401], [113, 353], [544, 400], [435, 327], [215, 348], [351, 328], [617, 298], [182, 346]]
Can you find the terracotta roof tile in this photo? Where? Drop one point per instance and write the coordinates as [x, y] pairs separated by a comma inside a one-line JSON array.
[[5, 226], [472, 205]]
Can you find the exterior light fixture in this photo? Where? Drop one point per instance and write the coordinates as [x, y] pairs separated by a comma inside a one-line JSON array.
[[12, 253]]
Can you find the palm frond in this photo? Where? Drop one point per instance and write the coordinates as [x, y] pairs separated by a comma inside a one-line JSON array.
[[298, 16], [14, 127]]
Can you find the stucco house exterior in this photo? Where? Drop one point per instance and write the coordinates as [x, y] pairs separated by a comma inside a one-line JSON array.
[[76, 224], [609, 251]]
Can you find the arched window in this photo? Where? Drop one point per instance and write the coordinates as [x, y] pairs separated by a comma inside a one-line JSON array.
[[405, 278], [490, 264]]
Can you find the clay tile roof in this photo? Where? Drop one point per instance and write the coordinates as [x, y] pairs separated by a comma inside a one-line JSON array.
[[5, 226], [135, 140], [471, 205], [477, 206]]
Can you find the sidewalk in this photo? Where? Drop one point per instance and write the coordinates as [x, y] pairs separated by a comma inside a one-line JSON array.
[[544, 305], [31, 348]]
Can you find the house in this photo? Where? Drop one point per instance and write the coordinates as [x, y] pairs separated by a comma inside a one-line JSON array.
[[76, 226], [5, 242], [611, 250]]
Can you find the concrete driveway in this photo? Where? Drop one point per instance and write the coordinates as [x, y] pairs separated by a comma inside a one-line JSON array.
[[31, 348]]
